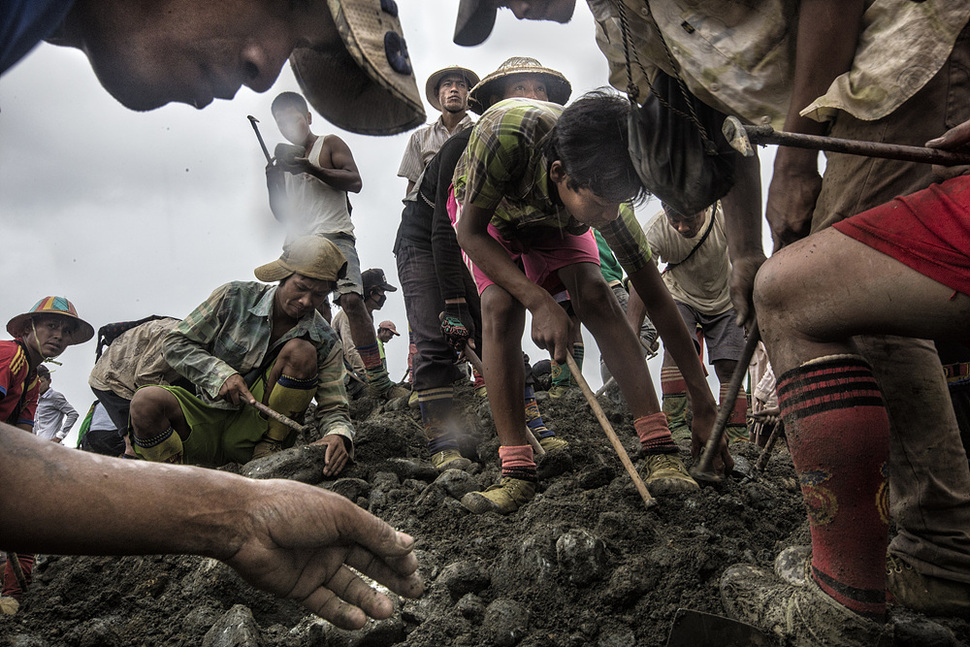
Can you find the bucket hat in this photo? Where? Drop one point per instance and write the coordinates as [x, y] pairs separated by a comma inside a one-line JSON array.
[[59, 306], [312, 256], [557, 87], [368, 86], [431, 87]]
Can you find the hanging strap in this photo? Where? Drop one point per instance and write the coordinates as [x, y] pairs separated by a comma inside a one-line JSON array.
[[707, 233]]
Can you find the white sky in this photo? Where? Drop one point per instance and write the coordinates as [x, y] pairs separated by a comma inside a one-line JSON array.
[[129, 214]]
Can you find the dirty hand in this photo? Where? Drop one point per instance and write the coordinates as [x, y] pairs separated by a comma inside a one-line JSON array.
[[551, 330], [701, 429], [956, 139], [235, 390], [290, 157], [336, 457], [301, 542], [791, 198], [457, 325], [743, 271]]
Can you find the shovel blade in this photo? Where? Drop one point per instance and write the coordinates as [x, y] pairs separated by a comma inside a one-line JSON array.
[[698, 629]]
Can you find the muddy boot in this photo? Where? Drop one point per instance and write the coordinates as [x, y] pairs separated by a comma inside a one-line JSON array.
[[449, 459], [794, 565], [436, 410], [927, 594], [665, 474], [675, 408], [505, 498], [802, 616], [552, 444]]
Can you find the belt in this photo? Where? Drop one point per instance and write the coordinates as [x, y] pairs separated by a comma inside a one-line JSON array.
[[958, 371]]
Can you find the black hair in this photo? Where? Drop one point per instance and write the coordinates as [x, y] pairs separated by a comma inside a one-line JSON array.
[[43, 371], [590, 141], [289, 100]]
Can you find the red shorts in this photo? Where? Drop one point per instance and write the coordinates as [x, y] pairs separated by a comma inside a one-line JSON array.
[[538, 256], [928, 231]]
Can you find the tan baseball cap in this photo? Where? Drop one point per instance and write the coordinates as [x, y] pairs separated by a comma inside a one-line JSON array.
[[312, 256]]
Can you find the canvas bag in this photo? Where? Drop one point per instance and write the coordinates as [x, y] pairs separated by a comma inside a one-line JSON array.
[[675, 140]]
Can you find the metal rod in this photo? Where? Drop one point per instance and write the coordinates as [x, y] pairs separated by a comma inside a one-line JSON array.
[[648, 500], [253, 120], [735, 132], [702, 471]]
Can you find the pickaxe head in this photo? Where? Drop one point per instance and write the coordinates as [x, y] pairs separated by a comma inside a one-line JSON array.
[[737, 136]]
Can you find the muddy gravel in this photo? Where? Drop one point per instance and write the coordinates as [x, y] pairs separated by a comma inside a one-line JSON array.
[[584, 564]]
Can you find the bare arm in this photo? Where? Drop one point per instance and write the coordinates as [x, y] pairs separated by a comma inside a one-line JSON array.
[[550, 324], [828, 32], [742, 226], [336, 166], [287, 538], [662, 310]]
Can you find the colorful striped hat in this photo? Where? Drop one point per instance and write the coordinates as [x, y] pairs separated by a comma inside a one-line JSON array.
[[52, 306]]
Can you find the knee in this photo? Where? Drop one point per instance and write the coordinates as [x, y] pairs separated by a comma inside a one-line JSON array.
[[298, 358], [596, 299], [773, 291], [499, 310], [148, 408]]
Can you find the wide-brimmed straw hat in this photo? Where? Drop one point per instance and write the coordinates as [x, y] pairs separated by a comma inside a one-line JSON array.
[[431, 87], [367, 86], [474, 23], [58, 306], [557, 87], [312, 256]]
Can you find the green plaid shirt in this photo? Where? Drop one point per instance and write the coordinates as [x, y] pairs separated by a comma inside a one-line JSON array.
[[503, 168], [229, 333]]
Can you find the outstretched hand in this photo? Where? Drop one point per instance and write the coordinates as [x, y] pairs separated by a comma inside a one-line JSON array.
[[551, 330], [310, 545]]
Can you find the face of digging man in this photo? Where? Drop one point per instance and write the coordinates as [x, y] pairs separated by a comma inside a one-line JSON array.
[[147, 53]]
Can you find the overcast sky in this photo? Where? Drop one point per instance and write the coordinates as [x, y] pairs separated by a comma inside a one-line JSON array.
[[130, 214]]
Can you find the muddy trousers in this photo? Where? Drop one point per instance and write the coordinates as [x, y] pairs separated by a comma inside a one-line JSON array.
[[928, 473]]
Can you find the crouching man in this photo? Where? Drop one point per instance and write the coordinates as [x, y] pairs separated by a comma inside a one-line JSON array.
[[251, 341]]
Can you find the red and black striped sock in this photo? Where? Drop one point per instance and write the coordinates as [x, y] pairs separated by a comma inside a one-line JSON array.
[[838, 434]]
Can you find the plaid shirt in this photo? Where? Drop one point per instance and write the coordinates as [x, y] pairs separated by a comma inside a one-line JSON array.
[[504, 169], [229, 333]]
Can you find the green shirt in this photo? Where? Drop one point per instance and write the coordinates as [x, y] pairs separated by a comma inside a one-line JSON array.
[[503, 168], [229, 333]]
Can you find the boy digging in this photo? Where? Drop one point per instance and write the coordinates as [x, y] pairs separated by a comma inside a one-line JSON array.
[[531, 184]]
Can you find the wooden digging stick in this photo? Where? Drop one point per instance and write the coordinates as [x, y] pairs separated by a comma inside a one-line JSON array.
[[476, 362], [702, 471], [276, 415], [648, 500]]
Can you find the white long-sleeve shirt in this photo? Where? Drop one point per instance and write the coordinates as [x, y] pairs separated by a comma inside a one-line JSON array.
[[55, 416]]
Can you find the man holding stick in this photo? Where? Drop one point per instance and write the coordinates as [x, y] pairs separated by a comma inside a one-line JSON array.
[[252, 342]]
